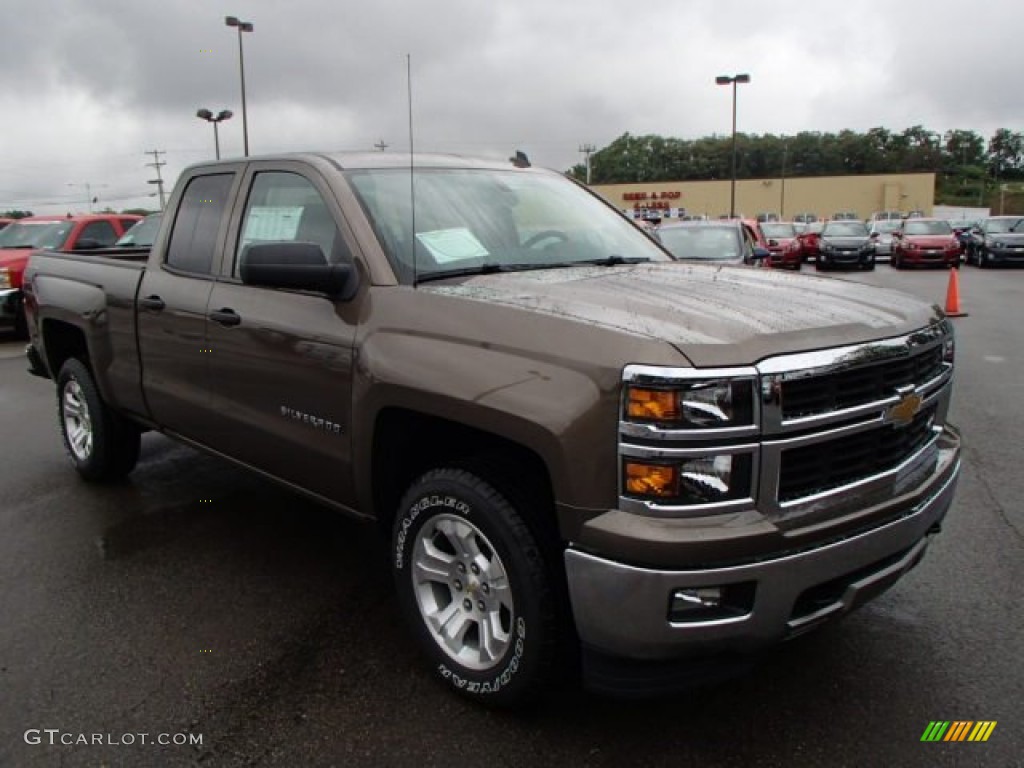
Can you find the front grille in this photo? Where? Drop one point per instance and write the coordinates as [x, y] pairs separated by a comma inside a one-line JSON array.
[[857, 386], [822, 466]]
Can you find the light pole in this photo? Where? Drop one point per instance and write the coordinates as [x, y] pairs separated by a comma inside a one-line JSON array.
[[208, 116], [243, 26], [733, 80], [782, 196], [88, 191]]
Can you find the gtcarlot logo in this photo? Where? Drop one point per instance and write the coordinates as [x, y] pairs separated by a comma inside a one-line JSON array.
[[55, 737]]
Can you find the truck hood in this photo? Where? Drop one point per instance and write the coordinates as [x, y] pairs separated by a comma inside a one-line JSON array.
[[713, 314]]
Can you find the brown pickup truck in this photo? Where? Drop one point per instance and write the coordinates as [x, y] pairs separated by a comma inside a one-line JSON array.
[[584, 454]]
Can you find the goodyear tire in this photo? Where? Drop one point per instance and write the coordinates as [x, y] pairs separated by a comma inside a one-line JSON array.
[[101, 444], [472, 584]]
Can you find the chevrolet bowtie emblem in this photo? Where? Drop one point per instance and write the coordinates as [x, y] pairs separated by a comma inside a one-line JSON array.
[[901, 414]]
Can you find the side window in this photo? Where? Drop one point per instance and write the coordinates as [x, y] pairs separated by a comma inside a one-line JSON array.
[[127, 224], [194, 236], [100, 231], [286, 207]]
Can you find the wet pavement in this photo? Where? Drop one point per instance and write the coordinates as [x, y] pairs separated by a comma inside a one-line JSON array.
[[198, 600]]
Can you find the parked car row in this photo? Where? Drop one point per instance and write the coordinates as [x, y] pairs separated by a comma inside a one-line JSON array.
[[22, 238]]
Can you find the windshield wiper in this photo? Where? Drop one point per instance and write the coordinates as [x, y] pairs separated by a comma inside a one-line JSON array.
[[490, 269], [482, 269], [614, 260]]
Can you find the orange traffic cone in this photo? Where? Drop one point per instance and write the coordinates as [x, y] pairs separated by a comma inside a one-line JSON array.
[[953, 295]]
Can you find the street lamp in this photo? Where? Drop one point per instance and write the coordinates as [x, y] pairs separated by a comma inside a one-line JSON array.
[[208, 116], [733, 80], [243, 26]]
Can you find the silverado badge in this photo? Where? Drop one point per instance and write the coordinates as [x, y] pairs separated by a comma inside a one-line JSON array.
[[901, 414]]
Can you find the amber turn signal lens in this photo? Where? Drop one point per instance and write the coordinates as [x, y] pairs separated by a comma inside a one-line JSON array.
[[651, 479], [653, 404]]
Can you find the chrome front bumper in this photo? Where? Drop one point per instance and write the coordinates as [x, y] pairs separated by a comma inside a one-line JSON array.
[[623, 611]]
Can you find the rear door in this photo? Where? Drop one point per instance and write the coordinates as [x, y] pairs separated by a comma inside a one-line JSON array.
[[281, 360], [173, 298]]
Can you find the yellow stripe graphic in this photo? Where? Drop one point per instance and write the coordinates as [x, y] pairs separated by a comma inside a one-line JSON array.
[[988, 731]]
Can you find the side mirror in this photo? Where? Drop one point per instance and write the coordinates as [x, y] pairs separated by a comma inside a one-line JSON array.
[[760, 254], [88, 244], [874, 235], [298, 266]]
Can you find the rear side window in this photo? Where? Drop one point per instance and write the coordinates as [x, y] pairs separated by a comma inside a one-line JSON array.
[[194, 237]]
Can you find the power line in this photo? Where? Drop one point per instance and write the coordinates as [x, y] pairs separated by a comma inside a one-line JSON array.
[[159, 181]]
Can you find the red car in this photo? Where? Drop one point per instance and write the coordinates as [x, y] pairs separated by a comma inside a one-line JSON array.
[[21, 239], [809, 241], [783, 244], [925, 242]]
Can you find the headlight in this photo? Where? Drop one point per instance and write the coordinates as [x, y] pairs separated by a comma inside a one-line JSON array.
[[826, 247], [697, 404], [5, 278], [867, 247], [699, 480], [998, 244]]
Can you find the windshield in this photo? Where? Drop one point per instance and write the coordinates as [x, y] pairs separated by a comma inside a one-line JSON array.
[[702, 243], [886, 226], [923, 227], [141, 234], [488, 220], [36, 234], [776, 231], [994, 226], [845, 229]]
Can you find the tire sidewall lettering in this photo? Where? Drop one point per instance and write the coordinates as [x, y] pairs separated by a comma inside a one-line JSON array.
[[500, 680], [426, 502]]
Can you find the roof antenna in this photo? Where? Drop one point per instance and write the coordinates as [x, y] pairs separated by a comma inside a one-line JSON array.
[[520, 160], [412, 178]]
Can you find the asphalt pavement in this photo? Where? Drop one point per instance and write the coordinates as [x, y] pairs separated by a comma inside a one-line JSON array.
[[198, 602]]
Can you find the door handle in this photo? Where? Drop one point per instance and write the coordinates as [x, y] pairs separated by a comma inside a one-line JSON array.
[[225, 317], [152, 302]]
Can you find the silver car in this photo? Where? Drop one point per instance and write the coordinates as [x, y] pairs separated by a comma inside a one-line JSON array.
[[884, 228]]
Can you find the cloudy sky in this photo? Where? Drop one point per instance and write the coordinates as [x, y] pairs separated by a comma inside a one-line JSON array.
[[90, 86]]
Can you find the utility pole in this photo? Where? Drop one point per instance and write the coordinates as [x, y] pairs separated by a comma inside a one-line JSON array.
[[587, 150], [159, 181], [381, 145]]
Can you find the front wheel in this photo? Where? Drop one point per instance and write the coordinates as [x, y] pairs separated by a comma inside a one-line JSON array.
[[472, 584], [101, 444]]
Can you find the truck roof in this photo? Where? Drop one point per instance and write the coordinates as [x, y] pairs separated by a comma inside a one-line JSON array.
[[365, 160]]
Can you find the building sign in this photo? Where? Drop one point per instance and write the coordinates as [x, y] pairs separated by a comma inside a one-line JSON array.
[[652, 195]]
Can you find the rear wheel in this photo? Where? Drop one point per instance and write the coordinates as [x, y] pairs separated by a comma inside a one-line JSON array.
[[473, 586], [101, 444]]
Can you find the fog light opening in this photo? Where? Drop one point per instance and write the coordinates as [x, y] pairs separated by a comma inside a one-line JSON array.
[[710, 603]]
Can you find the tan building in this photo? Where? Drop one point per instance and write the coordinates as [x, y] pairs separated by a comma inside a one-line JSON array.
[[823, 195]]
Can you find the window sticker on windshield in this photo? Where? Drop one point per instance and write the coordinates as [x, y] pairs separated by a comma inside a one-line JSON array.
[[448, 245], [271, 223]]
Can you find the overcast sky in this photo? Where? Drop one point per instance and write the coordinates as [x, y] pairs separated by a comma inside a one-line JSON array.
[[90, 86]]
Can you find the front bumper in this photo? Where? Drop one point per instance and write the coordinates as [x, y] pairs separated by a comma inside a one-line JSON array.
[[622, 610], [929, 258], [10, 306], [845, 258], [1003, 255]]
